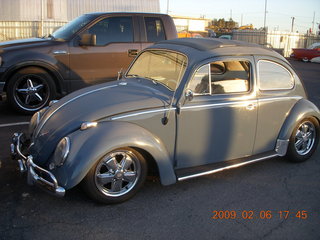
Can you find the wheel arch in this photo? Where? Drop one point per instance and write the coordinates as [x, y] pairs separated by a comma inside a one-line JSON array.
[[54, 73], [301, 110], [89, 146]]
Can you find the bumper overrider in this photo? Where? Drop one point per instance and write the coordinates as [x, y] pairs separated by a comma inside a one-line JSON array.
[[36, 175]]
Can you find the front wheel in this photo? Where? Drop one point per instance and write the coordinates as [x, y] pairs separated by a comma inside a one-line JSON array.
[[116, 177], [30, 89], [304, 140]]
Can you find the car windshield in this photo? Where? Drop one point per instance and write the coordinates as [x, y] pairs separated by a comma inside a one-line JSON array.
[[160, 66], [66, 31]]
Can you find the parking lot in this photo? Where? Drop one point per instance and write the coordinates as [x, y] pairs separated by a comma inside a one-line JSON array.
[[274, 199]]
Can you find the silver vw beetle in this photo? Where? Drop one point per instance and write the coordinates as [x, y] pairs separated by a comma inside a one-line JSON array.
[[185, 108]]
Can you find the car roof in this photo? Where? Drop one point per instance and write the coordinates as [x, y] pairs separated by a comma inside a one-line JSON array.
[[212, 47]]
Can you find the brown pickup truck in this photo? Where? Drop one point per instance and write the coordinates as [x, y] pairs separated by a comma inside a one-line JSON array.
[[91, 49]]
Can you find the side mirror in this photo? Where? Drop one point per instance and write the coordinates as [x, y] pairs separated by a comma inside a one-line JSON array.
[[189, 94], [88, 40]]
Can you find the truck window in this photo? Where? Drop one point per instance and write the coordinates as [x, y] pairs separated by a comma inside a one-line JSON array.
[[113, 29], [154, 29]]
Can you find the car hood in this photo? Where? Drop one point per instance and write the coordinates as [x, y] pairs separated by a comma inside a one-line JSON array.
[[23, 42], [96, 103]]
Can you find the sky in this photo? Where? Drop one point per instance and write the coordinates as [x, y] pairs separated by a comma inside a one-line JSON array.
[[279, 12]]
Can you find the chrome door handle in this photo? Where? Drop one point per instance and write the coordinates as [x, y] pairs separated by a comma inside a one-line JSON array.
[[250, 106], [133, 52]]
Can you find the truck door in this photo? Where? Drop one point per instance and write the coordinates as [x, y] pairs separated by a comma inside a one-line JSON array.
[[116, 45]]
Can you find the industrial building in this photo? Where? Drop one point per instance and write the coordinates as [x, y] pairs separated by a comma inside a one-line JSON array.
[[66, 10], [36, 18]]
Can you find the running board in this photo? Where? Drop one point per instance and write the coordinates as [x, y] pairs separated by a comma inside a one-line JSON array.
[[187, 173]]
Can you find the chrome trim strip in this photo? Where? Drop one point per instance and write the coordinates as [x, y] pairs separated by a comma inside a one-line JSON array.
[[59, 52], [244, 103], [226, 168], [71, 100], [141, 113], [278, 98]]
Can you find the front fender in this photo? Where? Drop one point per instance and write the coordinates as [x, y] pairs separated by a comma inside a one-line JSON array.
[[48, 66], [301, 110], [89, 146]]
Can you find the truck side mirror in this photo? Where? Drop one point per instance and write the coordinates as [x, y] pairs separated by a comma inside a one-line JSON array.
[[88, 40]]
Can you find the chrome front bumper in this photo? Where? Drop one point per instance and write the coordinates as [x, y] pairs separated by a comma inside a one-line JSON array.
[[36, 175]]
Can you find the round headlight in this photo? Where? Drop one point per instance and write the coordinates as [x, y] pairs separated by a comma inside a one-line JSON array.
[[61, 153]]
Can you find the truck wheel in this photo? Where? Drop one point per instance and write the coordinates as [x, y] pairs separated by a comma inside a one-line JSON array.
[[304, 140], [116, 177], [30, 89]]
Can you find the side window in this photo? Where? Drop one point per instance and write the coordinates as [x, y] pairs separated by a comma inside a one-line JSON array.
[[115, 29], [273, 76], [221, 77], [154, 29]]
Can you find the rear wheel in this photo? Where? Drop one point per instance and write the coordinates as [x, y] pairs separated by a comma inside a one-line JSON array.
[[116, 177], [304, 140], [30, 89], [305, 59]]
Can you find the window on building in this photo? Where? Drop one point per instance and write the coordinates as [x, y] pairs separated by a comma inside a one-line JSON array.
[[273, 76], [114, 29], [154, 29]]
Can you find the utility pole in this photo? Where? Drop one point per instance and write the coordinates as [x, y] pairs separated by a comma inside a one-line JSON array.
[[167, 6], [265, 15], [314, 15], [241, 19], [292, 23]]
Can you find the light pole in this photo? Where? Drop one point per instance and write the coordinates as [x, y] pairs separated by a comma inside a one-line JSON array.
[[265, 15], [167, 6], [292, 23]]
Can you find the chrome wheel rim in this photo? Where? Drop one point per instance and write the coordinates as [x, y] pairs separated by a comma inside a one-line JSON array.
[[31, 92], [305, 138], [117, 173], [305, 59]]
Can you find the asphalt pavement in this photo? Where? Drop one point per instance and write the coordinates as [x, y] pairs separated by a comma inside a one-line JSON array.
[[274, 199]]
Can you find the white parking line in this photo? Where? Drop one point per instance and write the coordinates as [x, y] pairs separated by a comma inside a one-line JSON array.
[[13, 124]]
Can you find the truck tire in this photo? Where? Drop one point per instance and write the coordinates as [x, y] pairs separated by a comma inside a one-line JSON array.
[[30, 89]]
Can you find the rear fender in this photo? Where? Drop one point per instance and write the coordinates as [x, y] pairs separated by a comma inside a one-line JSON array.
[[301, 110]]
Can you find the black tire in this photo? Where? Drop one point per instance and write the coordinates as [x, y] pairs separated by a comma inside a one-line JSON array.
[[301, 147], [30, 89], [113, 180]]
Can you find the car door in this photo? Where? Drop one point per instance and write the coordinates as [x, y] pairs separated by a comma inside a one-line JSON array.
[[116, 45], [219, 123]]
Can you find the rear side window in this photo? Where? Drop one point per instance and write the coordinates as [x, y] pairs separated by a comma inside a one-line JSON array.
[[273, 76], [114, 29], [154, 29]]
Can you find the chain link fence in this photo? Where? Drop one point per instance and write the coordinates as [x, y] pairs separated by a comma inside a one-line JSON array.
[[279, 40]]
